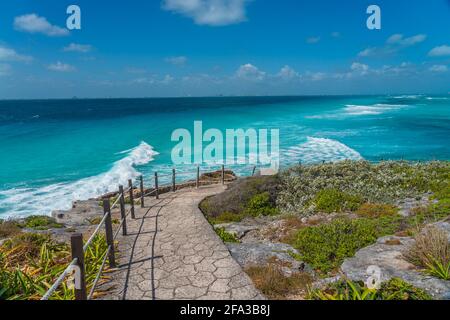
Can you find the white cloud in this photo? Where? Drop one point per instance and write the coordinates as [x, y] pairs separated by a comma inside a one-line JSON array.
[[287, 73], [8, 54], [315, 76], [177, 61], [33, 23], [399, 39], [313, 40], [367, 52], [61, 67], [438, 68], [440, 51], [393, 44], [360, 68], [75, 47], [250, 72], [5, 69], [209, 12], [167, 79]]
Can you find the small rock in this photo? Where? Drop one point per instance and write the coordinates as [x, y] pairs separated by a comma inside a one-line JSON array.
[[239, 230], [259, 254], [80, 214], [388, 256]]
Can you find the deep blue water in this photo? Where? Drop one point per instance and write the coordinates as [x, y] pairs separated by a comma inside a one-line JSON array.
[[56, 151]]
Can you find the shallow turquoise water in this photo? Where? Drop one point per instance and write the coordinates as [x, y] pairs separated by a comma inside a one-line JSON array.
[[56, 151]]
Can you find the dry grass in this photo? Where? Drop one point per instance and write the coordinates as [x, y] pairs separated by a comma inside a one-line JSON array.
[[431, 246], [376, 210], [8, 229], [271, 281]]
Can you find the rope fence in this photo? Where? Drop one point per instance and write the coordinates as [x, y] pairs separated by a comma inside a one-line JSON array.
[[78, 249]]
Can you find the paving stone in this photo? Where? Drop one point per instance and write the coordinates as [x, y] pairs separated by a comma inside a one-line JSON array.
[[183, 259]]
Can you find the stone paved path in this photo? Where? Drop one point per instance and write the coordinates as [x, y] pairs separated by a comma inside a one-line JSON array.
[[172, 252]]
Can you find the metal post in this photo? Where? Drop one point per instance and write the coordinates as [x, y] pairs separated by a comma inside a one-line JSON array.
[[173, 180], [223, 174], [156, 185], [141, 178], [197, 182], [109, 232], [130, 185], [76, 242], [122, 211]]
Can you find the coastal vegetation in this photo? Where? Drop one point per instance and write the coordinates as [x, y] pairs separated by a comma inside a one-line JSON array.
[[332, 210], [394, 289], [30, 263]]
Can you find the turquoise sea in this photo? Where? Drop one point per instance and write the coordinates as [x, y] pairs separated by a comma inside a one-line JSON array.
[[57, 151]]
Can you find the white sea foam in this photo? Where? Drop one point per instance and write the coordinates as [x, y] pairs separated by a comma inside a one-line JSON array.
[[437, 98], [27, 201], [411, 96], [376, 109], [320, 149]]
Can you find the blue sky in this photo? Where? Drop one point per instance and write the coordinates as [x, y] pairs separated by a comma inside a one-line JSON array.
[[156, 48]]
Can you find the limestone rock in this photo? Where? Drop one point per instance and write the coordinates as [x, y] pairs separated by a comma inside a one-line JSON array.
[[387, 254], [259, 254], [80, 214]]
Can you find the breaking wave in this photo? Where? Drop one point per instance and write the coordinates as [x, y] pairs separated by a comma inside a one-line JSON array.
[[320, 149], [21, 202]]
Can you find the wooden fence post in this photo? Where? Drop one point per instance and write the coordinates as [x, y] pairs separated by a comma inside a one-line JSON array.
[[141, 178], [122, 211], [197, 181], [109, 232], [156, 185], [223, 174], [76, 242], [130, 185], [174, 187]]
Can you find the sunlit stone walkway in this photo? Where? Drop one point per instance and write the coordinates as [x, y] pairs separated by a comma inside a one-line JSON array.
[[172, 252]]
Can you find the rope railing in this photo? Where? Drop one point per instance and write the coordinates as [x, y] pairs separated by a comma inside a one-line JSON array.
[[99, 274], [79, 249], [58, 281]]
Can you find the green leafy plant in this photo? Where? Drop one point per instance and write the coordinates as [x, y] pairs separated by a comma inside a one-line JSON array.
[[333, 200], [31, 263], [438, 269], [260, 205], [394, 289], [431, 251], [325, 246], [226, 236], [41, 223]]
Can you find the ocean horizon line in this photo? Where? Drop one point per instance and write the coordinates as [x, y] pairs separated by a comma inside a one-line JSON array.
[[228, 96]]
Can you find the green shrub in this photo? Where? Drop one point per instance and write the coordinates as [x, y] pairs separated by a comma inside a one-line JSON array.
[[375, 210], [394, 289], [383, 182], [332, 200], [325, 246], [226, 236], [236, 198], [41, 223], [397, 289], [260, 205]]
